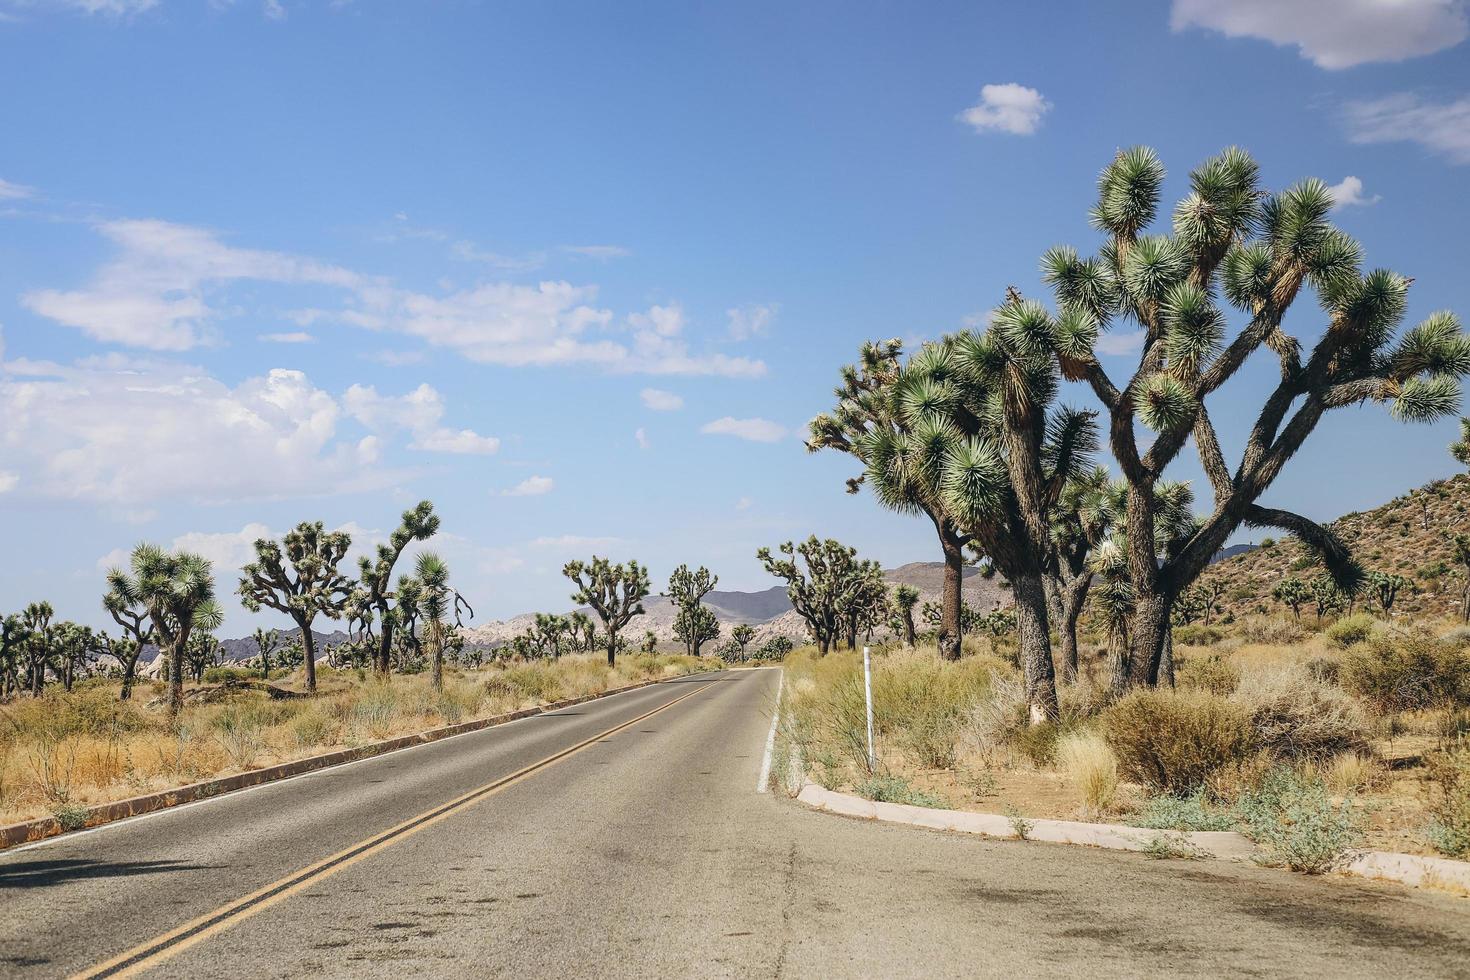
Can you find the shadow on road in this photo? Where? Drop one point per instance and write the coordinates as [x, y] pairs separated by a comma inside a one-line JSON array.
[[42, 874]]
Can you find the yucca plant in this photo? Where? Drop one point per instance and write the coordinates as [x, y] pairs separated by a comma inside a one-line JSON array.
[[615, 593], [299, 577], [374, 596], [1258, 250]]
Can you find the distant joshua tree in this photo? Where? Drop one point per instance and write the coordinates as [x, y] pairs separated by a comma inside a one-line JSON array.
[[615, 593], [1292, 592], [301, 580], [905, 597], [741, 635], [374, 596]]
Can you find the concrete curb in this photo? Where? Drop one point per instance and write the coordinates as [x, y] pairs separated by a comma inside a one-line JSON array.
[[1223, 845], [44, 827], [1406, 869]]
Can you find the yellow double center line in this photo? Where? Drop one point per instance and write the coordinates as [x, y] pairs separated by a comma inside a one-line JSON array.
[[155, 951]]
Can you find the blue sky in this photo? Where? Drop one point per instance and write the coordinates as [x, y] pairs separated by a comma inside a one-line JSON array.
[[579, 273]]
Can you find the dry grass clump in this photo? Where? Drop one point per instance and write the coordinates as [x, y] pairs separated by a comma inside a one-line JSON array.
[[1213, 673], [1351, 630], [1353, 772], [1092, 767], [1296, 717], [1408, 671], [1270, 630], [1173, 741]]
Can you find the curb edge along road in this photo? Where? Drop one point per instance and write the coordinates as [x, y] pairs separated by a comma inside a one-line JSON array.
[[1413, 870], [43, 828]]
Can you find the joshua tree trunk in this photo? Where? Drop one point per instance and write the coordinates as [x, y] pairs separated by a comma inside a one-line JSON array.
[[822, 644], [1073, 598], [852, 631], [908, 629], [954, 579], [436, 644], [1166, 659], [176, 675], [308, 647], [383, 659], [1149, 631], [129, 669], [1041, 682], [612, 648]]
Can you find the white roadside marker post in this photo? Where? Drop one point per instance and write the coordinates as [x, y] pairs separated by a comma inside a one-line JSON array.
[[868, 696]]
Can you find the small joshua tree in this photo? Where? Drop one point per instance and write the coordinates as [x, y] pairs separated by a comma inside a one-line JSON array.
[[615, 593], [816, 591], [650, 642], [864, 602], [584, 632], [1326, 595], [741, 635], [694, 626], [177, 590], [1460, 449], [1385, 587], [138, 632], [36, 646], [375, 595], [905, 597], [436, 602], [1292, 592], [266, 642], [300, 578]]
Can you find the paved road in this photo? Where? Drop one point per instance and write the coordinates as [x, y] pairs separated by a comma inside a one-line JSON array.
[[647, 854]]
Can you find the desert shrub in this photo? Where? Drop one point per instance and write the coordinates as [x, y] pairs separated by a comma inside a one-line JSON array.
[[226, 675], [1350, 630], [1189, 812], [1325, 670], [1173, 740], [1353, 772], [1296, 717], [240, 733], [1196, 634], [919, 702], [1274, 630], [1214, 673], [1092, 767], [993, 721], [1456, 636], [896, 789], [1449, 830], [1403, 672], [374, 710], [1037, 743], [1298, 824], [310, 728], [71, 816]]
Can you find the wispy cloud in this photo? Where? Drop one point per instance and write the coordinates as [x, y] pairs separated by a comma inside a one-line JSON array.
[[600, 252], [752, 430], [752, 320], [1007, 108], [661, 401], [641, 437], [12, 192], [1441, 127], [531, 486], [419, 412], [1334, 33], [1120, 344], [294, 337]]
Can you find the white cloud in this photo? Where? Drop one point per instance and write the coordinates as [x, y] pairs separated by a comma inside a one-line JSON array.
[[572, 542], [641, 437], [294, 337], [8, 481], [752, 320], [662, 321], [418, 412], [10, 192], [470, 252], [1009, 108], [744, 503], [126, 431], [396, 358], [531, 486], [1442, 127], [1348, 192], [229, 551], [274, 10], [1120, 344], [1334, 33], [153, 293], [600, 252], [661, 401], [114, 8], [753, 430]]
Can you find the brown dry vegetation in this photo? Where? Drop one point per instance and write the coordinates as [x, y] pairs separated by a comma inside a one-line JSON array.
[[63, 751]]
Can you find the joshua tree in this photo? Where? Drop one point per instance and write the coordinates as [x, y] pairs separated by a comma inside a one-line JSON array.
[[816, 593], [547, 634], [741, 635], [204, 651], [137, 628], [1292, 592], [1084, 515], [1326, 594], [1258, 250], [695, 626], [873, 424], [266, 642], [583, 630], [436, 602], [1386, 587], [615, 593], [301, 580], [39, 637], [1460, 449], [864, 603], [650, 641], [905, 597], [776, 648], [12, 642], [75, 645], [375, 586], [1190, 605], [177, 591]]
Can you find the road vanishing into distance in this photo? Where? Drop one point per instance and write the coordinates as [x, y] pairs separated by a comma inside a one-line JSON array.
[[624, 838]]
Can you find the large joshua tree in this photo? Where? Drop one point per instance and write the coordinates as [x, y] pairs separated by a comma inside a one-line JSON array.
[[1259, 250], [823, 579], [874, 424], [299, 577], [694, 625], [615, 593], [375, 588], [138, 632], [177, 591]]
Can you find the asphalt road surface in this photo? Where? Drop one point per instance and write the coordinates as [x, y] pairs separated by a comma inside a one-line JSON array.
[[646, 852]]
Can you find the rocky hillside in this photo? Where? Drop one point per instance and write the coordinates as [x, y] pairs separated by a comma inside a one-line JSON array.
[[1412, 536]]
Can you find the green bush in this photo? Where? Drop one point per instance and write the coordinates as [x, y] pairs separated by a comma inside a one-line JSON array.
[[1172, 741], [228, 675], [1188, 813], [1298, 824], [1404, 672], [1350, 630], [1198, 635], [1449, 773], [896, 789]]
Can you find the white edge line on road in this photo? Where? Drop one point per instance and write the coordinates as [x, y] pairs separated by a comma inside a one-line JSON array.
[[764, 781], [324, 771]]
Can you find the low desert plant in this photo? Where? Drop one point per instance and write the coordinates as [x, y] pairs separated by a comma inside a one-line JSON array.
[[1213, 673], [1273, 630], [1298, 718], [71, 816], [1190, 812], [1298, 824], [1408, 671], [1173, 741], [896, 789], [1092, 767], [1353, 772], [1198, 635], [1449, 830], [1349, 631]]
